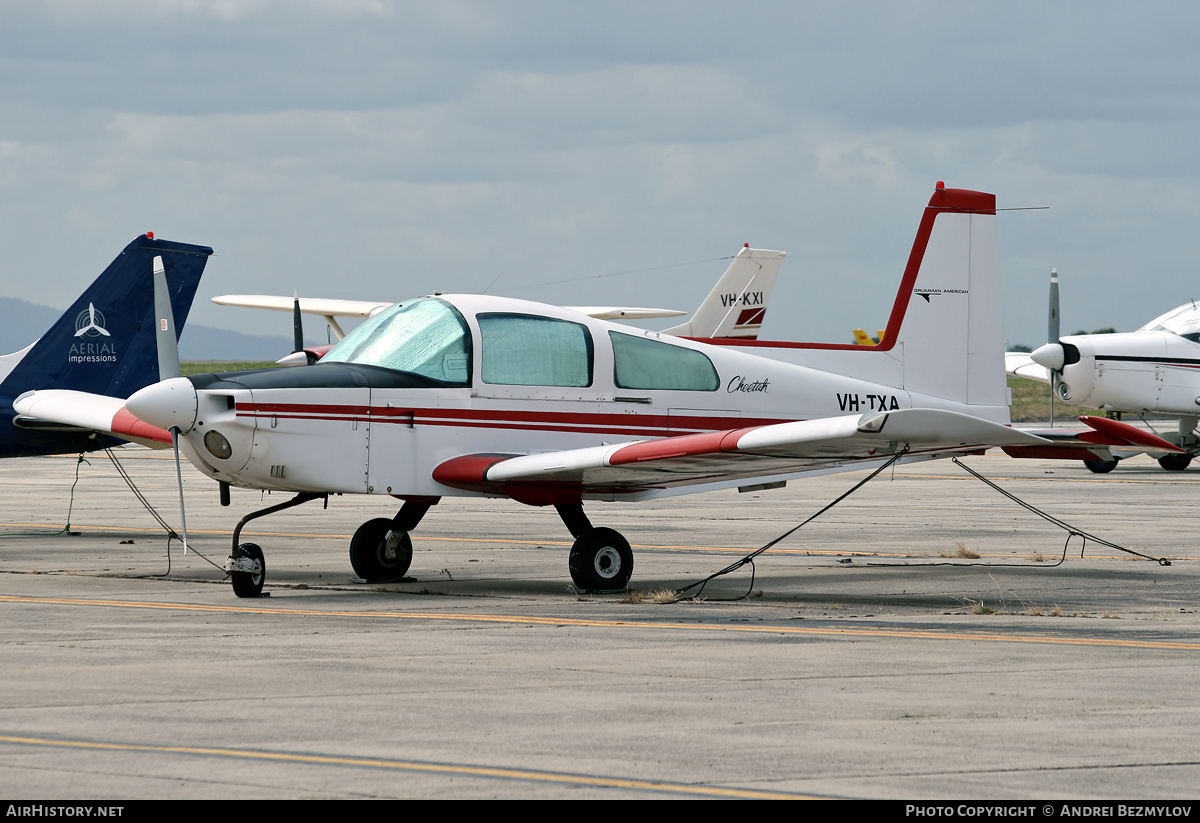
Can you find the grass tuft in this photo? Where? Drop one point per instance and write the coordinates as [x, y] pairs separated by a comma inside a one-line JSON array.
[[654, 596], [965, 553]]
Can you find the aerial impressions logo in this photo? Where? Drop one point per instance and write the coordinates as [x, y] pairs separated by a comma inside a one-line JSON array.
[[90, 324]]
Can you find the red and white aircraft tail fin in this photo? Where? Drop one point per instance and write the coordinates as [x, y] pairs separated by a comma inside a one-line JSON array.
[[946, 323], [736, 305], [944, 338]]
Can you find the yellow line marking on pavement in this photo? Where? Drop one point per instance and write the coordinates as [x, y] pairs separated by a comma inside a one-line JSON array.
[[415, 766], [892, 633], [1095, 553]]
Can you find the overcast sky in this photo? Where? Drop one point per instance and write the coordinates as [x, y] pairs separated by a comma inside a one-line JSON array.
[[378, 149]]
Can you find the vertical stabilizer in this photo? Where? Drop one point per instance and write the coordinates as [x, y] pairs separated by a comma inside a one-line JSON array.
[[736, 306], [944, 339], [105, 342], [947, 322]]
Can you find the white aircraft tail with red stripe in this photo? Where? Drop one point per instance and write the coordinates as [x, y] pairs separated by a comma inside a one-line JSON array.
[[944, 341], [949, 327], [737, 304]]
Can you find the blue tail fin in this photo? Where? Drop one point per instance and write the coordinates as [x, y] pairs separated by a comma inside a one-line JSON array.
[[104, 343]]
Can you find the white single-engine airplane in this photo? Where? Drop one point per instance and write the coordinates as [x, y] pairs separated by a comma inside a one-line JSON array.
[[1154, 370], [486, 396]]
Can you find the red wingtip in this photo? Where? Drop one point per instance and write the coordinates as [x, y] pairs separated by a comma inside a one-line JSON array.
[[1124, 432]]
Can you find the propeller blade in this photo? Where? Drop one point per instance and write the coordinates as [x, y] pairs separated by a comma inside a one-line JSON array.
[[297, 324], [179, 480], [1053, 335], [164, 331]]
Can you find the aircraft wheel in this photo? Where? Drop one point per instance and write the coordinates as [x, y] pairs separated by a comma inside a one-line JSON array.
[[244, 583], [1175, 462], [379, 553], [1101, 466], [601, 559]]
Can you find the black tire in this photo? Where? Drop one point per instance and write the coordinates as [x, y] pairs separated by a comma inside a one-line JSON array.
[[245, 584], [371, 556], [1101, 466], [601, 560], [1175, 462]]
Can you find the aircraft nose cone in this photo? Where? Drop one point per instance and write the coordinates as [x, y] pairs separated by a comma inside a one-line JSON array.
[[1051, 355], [169, 404]]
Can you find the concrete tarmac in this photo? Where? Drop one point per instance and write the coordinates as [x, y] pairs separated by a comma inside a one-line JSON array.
[[873, 658]]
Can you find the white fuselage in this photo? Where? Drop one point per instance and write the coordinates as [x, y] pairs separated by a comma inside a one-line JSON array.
[[374, 440], [1142, 371]]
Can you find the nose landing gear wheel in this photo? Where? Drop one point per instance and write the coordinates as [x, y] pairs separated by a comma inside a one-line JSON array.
[[379, 553], [246, 584], [601, 560]]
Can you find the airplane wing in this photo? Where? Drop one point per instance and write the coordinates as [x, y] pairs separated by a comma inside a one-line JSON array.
[[774, 452], [66, 410], [734, 308], [623, 313], [330, 308], [1019, 364], [308, 305]]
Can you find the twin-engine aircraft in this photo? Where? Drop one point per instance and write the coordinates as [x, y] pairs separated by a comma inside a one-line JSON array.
[[1154, 370], [104, 347], [472, 395]]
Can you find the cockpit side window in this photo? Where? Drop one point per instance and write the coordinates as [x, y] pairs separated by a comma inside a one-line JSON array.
[[526, 350], [642, 363], [426, 337]]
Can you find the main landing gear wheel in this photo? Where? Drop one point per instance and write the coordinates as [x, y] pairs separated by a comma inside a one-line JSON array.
[[1101, 466], [601, 560], [246, 584], [379, 553], [1175, 462]]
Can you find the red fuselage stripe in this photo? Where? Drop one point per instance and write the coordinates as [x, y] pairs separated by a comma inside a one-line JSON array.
[[659, 425]]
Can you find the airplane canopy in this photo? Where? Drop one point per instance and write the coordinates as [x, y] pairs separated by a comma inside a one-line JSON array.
[[426, 336], [1183, 321]]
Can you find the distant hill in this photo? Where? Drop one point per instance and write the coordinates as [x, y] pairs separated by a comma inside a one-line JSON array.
[[22, 322]]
